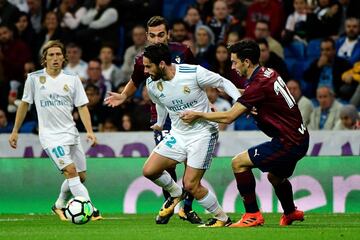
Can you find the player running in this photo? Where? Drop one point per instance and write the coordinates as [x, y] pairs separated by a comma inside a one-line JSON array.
[[278, 117], [175, 88], [158, 32]]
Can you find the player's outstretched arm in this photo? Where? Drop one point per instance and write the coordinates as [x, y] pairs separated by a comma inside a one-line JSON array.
[[115, 99], [86, 120], [20, 116], [220, 117]]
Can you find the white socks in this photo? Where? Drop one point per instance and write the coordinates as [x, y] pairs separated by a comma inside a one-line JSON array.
[[64, 195], [77, 188], [168, 184], [210, 203]]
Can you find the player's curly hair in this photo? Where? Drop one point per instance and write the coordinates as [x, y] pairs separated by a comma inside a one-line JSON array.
[[246, 49], [51, 44], [157, 53]]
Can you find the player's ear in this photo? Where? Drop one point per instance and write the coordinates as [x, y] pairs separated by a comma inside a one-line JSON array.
[[162, 64]]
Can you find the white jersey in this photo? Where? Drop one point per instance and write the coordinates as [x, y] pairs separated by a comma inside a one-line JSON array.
[[55, 99], [186, 92]]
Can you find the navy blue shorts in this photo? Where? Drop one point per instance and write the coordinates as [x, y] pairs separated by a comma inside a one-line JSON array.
[[277, 158]]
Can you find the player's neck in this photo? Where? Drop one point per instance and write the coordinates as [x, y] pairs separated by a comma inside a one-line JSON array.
[[251, 70], [169, 72], [53, 72]]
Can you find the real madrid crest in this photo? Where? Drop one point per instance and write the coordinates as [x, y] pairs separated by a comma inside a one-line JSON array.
[[186, 90], [42, 79], [66, 88], [159, 86]]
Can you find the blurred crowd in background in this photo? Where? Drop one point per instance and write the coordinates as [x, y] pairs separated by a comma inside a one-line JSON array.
[[313, 44]]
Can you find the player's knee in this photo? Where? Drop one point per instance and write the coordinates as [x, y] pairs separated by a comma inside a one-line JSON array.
[[70, 171], [148, 173], [274, 180], [236, 164], [190, 186], [82, 177]]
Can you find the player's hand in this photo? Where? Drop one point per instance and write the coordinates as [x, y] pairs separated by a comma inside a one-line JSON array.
[[188, 116], [13, 139], [114, 99], [90, 137], [156, 128]]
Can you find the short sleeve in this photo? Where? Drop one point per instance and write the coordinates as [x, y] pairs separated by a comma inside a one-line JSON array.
[[252, 96], [80, 97], [29, 90]]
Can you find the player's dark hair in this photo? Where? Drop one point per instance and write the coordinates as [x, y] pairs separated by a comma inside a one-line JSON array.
[[157, 21], [157, 53], [51, 44], [246, 49]]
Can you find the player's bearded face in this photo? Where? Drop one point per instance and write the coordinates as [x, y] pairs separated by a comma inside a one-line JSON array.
[[157, 73]]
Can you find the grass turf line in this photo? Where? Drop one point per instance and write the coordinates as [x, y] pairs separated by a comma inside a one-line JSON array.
[[142, 226]]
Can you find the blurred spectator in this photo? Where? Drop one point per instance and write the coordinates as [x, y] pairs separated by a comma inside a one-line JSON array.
[[96, 109], [305, 105], [141, 112], [327, 70], [327, 114], [262, 30], [296, 25], [327, 17], [348, 46], [70, 13], [272, 60], [220, 105], [232, 37], [192, 18], [127, 123], [139, 41], [109, 70], [237, 9], [222, 62], [5, 126], [75, 63], [349, 118], [109, 126], [179, 31], [205, 9], [95, 77], [99, 27], [36, 14], [14, 53], [353, 76], [8, 12], [222, 22], [269, 10], [204, 46], [20, 4], [51, 31], [25, 32]]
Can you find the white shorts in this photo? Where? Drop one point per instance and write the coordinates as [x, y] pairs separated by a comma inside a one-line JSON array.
[[197, 149], [65, 155]]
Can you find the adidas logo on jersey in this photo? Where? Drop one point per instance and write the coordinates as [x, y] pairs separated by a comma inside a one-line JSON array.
[[162, 95], [42, 88]]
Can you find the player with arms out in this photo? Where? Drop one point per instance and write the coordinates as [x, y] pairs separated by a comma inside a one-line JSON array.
[[158, 32], [175, 88], [278, 117], [55, 92]]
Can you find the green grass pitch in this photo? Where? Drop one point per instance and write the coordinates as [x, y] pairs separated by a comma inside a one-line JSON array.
[[142, 226]]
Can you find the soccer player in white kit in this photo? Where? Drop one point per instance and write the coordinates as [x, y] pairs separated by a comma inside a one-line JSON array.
[[174, 89], [55, 92]]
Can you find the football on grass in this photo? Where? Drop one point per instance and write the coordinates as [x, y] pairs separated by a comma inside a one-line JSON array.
[[79, 210]]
